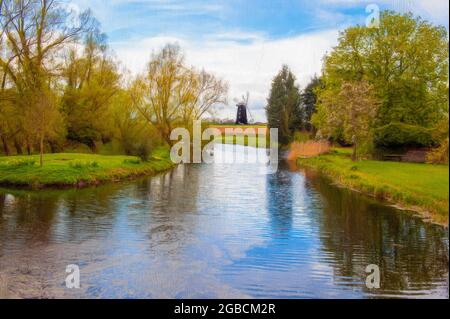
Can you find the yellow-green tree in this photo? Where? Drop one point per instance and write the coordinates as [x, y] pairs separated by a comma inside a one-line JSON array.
[[174, 94], [405, 60], [36, 32], [92, 81], [352, 110]]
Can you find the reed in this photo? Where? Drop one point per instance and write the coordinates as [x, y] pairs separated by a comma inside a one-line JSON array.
[[308, 149]]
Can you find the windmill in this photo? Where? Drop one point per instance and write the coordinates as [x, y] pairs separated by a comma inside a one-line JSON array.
[[243, 112]]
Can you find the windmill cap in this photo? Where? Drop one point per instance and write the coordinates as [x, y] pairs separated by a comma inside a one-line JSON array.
[[241, 104]]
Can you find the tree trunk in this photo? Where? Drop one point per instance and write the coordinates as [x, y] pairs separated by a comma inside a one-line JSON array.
[[18, 147], [5, 146], [28, 148], [354, 154], [41, 150]]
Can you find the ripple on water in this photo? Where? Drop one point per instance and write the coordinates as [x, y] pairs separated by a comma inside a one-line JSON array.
[[217, 231]]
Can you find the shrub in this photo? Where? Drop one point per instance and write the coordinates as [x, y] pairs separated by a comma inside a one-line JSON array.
[[439, 155], [397, 135], [79, 164], [20, 163]]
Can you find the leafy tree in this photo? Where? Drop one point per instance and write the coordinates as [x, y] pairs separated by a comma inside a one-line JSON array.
[[406, 62], [284, 105], [352, 111], [92, 82], [36, 31], [132, 131]]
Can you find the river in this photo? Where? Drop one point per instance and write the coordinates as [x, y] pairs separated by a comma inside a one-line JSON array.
[[216, 231]]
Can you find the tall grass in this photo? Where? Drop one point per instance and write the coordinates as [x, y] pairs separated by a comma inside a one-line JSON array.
[[308, 149]]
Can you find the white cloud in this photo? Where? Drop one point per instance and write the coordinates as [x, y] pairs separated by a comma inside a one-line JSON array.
[[247, 66]]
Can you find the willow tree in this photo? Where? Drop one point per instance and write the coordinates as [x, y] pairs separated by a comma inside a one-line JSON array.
[[173, 94], [92, 81]]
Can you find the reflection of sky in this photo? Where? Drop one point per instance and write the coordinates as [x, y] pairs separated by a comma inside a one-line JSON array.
[[213, 231]]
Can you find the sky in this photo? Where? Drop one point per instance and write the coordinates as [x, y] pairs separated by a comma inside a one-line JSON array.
[[244, 42]]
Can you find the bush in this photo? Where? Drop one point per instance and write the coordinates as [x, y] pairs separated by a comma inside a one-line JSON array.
[[20, 163], [78, 164], [439, 155], [397, 135]]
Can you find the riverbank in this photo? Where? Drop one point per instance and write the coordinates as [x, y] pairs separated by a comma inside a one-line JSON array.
[[421, 188], [77, 170]]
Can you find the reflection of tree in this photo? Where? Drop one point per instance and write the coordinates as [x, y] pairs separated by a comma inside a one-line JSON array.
[[36, 214], [31, 216], [173, 204], [280, 201], [362, 232]]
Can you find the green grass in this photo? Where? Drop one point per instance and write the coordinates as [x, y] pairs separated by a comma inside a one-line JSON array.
[[419, 187], [71, 169]]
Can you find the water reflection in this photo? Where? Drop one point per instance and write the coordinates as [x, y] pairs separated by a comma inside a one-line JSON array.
[[216, 231]]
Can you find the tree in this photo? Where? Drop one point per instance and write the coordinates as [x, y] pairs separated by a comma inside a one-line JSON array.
[[132, 131], [173, 94], [309, 101], [406, 62], [352, 110], [36, 31], [284, 105], [92, 81]]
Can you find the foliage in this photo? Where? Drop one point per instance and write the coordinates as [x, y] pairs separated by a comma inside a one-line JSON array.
[[19, 163], [284, 105], [80, 164], [171, 94], [439, 155], [92, 83], [309, 103], [33, 34], [351, 112], [405, 60], [396, 135]]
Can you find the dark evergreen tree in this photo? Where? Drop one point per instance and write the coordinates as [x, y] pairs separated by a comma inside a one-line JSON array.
[[284, 105], [309, 101]]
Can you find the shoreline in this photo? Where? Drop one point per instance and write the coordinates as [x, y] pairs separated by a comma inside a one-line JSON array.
[[61, 172], [420, 205]]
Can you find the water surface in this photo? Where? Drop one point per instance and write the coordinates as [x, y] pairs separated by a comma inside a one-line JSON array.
[[216, 231]]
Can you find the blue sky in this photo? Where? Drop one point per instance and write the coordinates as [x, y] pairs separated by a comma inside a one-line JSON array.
[[243, 41]]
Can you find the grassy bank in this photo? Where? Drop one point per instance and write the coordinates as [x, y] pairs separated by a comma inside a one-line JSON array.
[[77, 170], [418, 187]]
